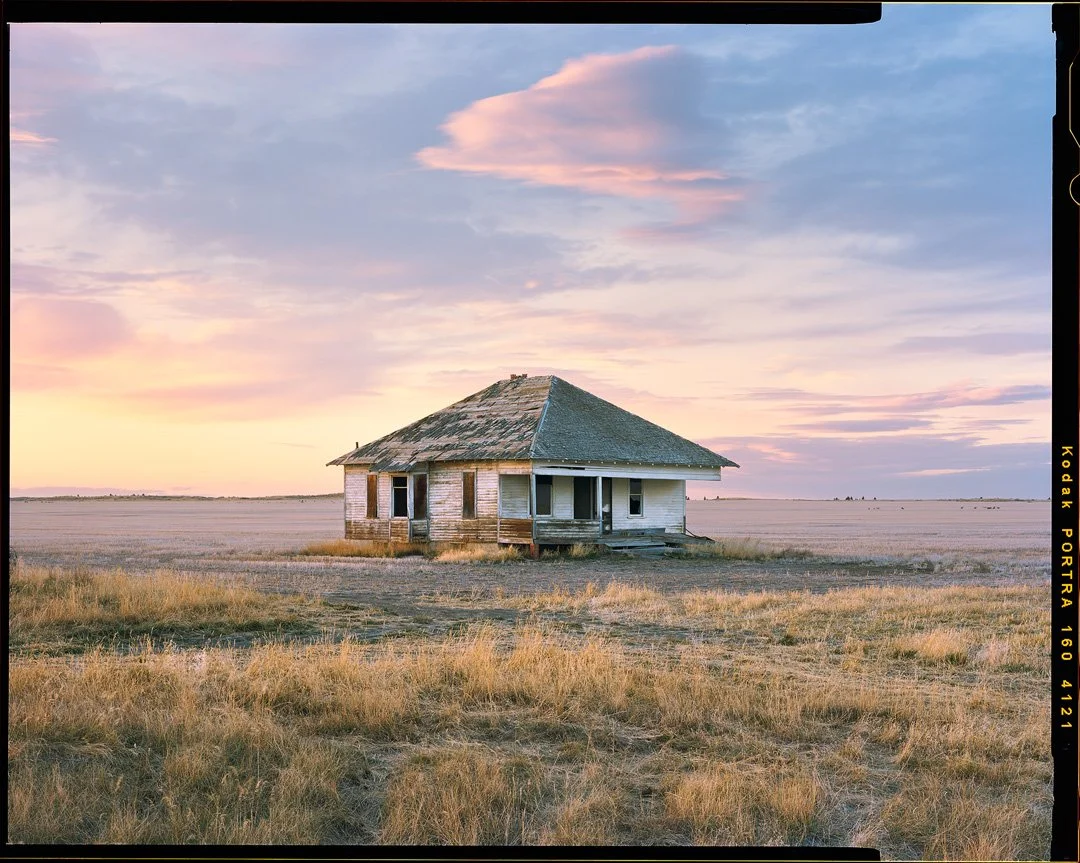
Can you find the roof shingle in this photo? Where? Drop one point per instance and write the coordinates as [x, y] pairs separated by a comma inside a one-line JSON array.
[[532, 418]]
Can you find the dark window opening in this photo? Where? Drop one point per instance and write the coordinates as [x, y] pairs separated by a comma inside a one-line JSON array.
[[468, 494], [400, 487], [584, 497], [636, 496], [419, 496], [372, 495], [543, 495]]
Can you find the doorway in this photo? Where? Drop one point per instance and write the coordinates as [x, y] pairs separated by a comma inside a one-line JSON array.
[[584, 497]]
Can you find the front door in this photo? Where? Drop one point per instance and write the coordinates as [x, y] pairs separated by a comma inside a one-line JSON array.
[[584, 497], [605, 504]]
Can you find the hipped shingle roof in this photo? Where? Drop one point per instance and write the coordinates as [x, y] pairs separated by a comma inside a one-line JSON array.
[[532, 418]]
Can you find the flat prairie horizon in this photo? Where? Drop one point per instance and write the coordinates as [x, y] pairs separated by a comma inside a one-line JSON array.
[[844, 527], [26, 495]]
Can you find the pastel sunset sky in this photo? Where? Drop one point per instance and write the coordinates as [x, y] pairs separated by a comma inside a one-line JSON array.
[[823, 252]]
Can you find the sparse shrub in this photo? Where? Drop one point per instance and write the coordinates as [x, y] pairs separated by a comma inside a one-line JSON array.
[[12, 559]]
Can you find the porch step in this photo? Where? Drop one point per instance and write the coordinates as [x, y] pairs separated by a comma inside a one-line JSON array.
[[632, 542], [652, 543]]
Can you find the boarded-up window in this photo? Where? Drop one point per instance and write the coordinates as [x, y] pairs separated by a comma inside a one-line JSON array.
[[543, 495], [514, 495], [419, 496], [636, 496], [372, 495], [399, 486], [468, 494]]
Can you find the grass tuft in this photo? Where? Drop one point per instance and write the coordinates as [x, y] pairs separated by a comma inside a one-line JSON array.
[[456, 795], [939, 645], [480, 554], [355, 548], [736, 804]]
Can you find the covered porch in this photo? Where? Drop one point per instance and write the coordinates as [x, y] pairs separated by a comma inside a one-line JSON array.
[[563, 504]]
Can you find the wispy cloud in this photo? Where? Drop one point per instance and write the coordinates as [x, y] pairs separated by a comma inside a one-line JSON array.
[[897, 465], [1005, 344], [956, 395], [888, 424], [22, 136]]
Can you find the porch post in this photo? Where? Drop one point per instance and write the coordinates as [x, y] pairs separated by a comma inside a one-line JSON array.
[[598, 509], [532, 504]]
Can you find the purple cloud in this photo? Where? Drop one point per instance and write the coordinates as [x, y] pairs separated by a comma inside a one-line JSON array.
[[885, 466]]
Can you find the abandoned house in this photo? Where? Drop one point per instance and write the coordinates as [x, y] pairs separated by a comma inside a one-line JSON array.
[[528, 461]]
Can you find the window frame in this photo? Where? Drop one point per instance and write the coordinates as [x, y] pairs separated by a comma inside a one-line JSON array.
[[631, 494], [398, 482]]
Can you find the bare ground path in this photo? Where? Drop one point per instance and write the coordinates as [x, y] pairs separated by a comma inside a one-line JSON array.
[[855, 543]]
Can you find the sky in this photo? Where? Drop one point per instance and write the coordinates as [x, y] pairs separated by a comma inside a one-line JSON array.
[[821, 251]]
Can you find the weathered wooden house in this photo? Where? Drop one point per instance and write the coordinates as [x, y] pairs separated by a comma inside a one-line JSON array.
[[529, 461]]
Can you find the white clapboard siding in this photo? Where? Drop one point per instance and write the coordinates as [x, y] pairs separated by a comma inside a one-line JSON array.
[[355, 492], [663, 505], [445, 522]]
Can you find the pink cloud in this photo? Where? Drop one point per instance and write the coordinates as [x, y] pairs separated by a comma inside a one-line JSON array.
[[21, 136], [48, 330], [609, 124], [962, 394]]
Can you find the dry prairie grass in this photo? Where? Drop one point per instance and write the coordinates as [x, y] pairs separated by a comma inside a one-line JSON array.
[[354, 548], [1002, 627], [145, 750], [78, 607], [529, 734], [463, 796], [479, 554], [730, 804], [938, 645]]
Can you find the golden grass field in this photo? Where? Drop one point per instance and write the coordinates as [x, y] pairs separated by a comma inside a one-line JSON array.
[[742, 699]]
